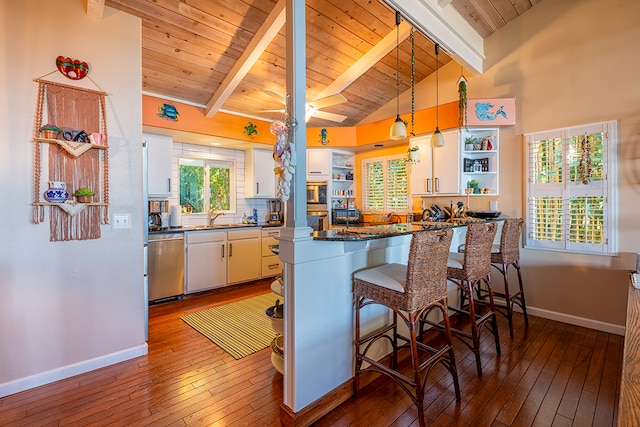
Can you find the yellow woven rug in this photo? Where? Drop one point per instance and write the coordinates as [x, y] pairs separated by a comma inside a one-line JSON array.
[[240, 328]]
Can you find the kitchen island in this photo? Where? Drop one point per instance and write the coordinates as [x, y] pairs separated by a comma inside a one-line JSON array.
[[319, 316]]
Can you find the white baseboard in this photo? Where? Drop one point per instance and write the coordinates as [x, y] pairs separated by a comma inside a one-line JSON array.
[[57, 374], [575, 320]]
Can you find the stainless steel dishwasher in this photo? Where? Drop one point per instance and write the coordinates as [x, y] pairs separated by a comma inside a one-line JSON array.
[[166, 266]]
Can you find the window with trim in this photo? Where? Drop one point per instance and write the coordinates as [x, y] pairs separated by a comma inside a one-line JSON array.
[[571, 189], [385, 184], [206, 184]]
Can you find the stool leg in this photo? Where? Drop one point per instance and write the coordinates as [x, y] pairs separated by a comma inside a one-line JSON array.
[[415, 364], [475, 333], [507, 297], [522, 304], [452, 359], [494, 319], [356, 382]]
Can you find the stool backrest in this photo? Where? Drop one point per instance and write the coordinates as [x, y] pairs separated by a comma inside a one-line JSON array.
[[477, 250], [510, 240], [427, 267]]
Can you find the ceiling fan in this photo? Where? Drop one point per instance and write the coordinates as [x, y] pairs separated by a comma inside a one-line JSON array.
[[313, 108]]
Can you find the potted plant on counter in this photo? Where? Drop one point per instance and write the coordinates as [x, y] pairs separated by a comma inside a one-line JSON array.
[[474, 184], [84, 195]]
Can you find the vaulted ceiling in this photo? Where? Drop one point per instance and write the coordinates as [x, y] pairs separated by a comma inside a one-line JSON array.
[[229, 55]]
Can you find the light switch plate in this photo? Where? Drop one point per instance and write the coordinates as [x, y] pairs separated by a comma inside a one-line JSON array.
[[121, 221]]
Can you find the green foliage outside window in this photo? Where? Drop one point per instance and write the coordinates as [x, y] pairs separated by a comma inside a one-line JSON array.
[[205, 185]]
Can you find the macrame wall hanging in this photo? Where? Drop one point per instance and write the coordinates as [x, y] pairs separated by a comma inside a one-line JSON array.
[[77, 164]]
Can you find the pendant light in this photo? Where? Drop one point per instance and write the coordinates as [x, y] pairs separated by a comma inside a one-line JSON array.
[[398, 128], [437, 140]]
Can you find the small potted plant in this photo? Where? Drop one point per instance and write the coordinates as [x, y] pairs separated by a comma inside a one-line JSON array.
[[469, 142], [413, 153], [50, 131], [474, 184], [84, 195]]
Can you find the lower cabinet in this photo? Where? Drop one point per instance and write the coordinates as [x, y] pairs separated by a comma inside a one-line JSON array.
[[244, 254], [271, 264], [206, 260], [214, 259]]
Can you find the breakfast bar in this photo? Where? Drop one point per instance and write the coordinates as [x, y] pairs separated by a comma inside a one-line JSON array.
[[319, 319]]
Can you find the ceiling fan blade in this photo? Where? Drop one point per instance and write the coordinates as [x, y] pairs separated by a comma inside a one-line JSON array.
[[275, 95], [327, 101], [281, 110], [339, 118]]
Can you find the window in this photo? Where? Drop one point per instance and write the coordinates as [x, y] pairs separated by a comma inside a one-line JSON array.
[[570, 189], [206, 184], [385, 186]]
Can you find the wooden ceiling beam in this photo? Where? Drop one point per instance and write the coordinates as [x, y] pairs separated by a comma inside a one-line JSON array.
[[263, 37], [367, 61], [446, 27], [95, 8]]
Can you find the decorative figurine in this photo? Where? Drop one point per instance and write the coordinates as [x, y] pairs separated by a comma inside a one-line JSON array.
[[251, 130]]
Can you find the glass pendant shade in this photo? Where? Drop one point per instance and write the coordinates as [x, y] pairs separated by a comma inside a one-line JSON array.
[[398, 129], [437, 140]]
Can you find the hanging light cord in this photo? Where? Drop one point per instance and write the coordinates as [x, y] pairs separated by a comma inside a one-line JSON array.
[[413, 89], [398, 63], [437, 52]]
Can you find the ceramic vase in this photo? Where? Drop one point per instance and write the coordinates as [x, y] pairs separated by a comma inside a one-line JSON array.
[[57, 192]]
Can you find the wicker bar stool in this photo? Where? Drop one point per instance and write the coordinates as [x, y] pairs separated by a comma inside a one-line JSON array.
[[505, 255], [468, 271], [408, 290]]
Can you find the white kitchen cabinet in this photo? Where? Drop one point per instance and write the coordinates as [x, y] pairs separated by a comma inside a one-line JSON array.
[[436, 172], [318, 165], [244, 261], [159, 165], [260, 179], [206, 260], [480, 159], [271, 264]]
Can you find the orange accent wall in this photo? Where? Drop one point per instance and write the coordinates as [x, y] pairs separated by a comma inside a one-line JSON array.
[[193, 119]]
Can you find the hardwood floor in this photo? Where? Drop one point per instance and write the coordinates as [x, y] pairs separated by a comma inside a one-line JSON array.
[[552, 374]]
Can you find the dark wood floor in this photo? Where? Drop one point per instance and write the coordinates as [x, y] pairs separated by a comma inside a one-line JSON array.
[[552, 374]]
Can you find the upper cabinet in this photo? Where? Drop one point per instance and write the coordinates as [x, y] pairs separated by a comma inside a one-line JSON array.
[[159, 165], [318, 164], [435, 173], [260, 180], [479, 160]]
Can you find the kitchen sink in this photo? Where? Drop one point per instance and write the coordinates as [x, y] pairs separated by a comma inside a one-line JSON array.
[[221, 226]]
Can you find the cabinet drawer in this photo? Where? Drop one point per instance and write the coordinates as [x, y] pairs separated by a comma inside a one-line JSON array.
[[271, 266], [243, 234], [205, 236]]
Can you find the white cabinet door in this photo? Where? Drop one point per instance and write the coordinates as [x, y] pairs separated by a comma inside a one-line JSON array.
[[318, 165], [206, 260], [420, 172], [446, 177], [436, 171], [244, 256], [260, 179], [159, 164]]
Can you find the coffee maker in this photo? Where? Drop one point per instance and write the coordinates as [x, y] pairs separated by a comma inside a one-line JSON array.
[[158, 214], [275, 212]]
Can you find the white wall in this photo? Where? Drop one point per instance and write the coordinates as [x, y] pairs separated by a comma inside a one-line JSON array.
[[568, 63], [68, 307]]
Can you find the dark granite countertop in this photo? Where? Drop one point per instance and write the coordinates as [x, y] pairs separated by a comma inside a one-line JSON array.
[[210, 228], [351, 233]]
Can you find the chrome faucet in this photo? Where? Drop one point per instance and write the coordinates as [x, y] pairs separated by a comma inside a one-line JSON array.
[[213, 215]]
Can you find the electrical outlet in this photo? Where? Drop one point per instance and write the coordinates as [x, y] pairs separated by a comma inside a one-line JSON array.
[[121, 221]]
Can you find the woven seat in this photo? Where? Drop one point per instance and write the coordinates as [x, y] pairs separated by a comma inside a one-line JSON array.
[[408, 290], [468, 271]]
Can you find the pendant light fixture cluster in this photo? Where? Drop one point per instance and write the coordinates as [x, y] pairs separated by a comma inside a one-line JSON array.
[[437, 140], [398, 128]]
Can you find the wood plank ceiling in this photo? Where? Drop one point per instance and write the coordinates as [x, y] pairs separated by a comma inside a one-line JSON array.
[[190, 47]]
